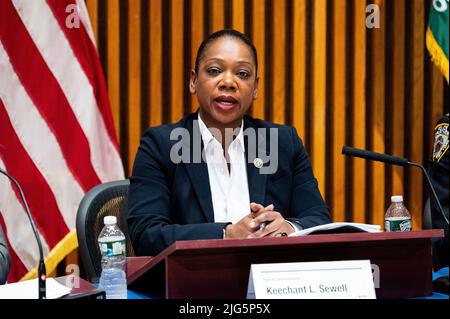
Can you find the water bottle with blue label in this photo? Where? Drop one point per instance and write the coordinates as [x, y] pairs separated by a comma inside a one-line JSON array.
[[397, 217], [113, 279]]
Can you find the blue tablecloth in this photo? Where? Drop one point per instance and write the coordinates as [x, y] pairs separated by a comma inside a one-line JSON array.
[[443, 272], [135, 295]]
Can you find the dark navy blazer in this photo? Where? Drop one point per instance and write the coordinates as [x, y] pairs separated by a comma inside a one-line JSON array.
[[170, 201]]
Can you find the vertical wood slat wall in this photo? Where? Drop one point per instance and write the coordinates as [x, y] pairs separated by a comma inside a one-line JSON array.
[[321, 70]]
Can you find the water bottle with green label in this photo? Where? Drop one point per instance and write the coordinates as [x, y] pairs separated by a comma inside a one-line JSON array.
[[113, 278], [397, 217]]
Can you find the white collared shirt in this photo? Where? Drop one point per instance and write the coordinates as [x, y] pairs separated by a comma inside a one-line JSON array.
[[229, 189]]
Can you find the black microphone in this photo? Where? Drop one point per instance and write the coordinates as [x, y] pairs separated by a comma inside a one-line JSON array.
[[375, 156], [41, 268], [394, 160]]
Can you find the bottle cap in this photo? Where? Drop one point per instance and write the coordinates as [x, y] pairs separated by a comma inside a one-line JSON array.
[[397, 198], [110, 220]]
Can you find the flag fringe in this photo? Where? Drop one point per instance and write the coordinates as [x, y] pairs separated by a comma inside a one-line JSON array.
[[56, 255], [437, 55]]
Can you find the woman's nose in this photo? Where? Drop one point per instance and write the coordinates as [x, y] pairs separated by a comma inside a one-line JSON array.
[[227, 82]]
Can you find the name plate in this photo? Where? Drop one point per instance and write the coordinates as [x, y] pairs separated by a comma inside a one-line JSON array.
[[349, 279]]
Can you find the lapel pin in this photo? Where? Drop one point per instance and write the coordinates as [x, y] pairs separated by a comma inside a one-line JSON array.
[[258, 162]]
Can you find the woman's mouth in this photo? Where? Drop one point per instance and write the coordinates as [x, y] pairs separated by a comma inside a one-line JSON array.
[[225, 102]]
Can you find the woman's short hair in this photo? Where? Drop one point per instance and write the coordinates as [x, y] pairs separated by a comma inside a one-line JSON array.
[[221, 34]]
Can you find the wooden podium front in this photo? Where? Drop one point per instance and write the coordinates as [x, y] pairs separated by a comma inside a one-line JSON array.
[[220, 268]]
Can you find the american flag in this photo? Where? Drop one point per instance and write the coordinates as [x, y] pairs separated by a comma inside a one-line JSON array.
[[57, 134]]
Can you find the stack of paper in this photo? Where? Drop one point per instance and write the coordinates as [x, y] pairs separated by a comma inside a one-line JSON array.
[[28, 289], [338, 228]]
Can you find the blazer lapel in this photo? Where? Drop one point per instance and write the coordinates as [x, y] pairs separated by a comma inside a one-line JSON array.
[[197, 170], [256, 181]]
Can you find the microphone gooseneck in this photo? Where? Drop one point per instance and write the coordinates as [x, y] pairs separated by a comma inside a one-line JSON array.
[[431, 187], [41, 267], [394, 160]]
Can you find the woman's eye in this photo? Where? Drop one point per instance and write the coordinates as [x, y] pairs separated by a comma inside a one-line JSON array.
[[243, 74], [213, 71]]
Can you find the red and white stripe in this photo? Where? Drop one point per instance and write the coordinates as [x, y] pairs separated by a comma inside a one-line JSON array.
[[57, 134], [82, 9]]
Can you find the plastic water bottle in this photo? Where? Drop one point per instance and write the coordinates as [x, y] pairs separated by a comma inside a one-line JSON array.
[[397, 217], [113, 279]]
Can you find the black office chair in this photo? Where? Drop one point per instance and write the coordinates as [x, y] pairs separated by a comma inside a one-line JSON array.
[[102, 200], [426, 222]]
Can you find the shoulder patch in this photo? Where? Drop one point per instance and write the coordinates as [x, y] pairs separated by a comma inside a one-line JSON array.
[[440, 141]]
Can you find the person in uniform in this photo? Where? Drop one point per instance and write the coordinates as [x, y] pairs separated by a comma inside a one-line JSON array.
[[438, 170]]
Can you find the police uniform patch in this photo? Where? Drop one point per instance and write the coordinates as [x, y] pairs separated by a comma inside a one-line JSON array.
[[440, 141]]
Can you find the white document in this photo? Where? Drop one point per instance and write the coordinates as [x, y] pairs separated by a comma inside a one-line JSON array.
[[339, 228], [28, 289], [349, 279]]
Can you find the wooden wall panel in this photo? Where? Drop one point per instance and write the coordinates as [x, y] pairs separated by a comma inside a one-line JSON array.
[[318, 101], [279, 62], [396, 105], [416, 114], [155, 63], [134, 79], [258, 36], [218, 14], [113, 47], [177, 61], [321, 70], [299, 67], [435, 106], [197, 34], [357, 191], [238, 18], [377, 100], [338, 109]]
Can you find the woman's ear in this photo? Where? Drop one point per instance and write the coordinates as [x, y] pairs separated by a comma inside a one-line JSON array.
[[193, 82], [255, 91]]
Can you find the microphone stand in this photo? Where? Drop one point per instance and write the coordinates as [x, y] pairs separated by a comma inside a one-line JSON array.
[[41, 267], [431, 187]]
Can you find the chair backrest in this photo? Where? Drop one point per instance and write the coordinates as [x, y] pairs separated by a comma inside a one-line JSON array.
[[102, 200], [426, 221]]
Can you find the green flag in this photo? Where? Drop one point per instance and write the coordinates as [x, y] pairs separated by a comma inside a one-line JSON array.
[[437, 34]]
